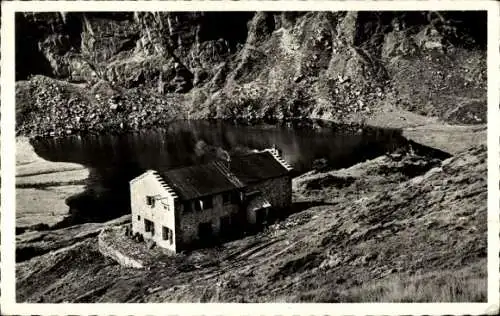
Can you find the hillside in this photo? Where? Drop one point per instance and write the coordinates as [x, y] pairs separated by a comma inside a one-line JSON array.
[[126, 71], [380, 232]]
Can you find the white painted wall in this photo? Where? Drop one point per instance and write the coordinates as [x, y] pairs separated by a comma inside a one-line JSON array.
[[148, 184]]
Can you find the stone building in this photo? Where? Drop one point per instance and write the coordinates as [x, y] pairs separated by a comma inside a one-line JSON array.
[[181, 207]]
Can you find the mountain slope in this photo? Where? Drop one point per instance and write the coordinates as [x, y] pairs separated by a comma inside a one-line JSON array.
[[378, 228], [133, 70]]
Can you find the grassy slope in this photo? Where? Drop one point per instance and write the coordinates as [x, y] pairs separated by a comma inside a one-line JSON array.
[[377, 232]]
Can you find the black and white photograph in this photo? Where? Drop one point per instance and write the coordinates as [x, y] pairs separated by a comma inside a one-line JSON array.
[[250, 156]]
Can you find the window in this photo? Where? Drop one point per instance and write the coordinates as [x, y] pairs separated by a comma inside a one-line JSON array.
[[226, 198], [236, 197], [165, 205], [197, 205], [149, 226], [187, 207], [203, 204], [138, 217], [167, 234], [207, 203], [164, 233], [150, 201]]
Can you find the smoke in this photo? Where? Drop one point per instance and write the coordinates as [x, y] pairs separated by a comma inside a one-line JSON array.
[[222, 154], [206, 152], [200, 148]]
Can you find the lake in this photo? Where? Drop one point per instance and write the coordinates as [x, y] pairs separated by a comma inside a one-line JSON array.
[[113, 160], [191, 142]]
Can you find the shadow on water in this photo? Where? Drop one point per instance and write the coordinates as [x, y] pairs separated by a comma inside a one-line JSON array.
[[113, 160]]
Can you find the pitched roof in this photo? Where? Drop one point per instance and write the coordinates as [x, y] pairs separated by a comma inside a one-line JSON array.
[[219, 176], [197, 181], [256, 167]]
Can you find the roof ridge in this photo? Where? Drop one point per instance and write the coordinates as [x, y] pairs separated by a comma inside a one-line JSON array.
[[229, 174], [189, 167]]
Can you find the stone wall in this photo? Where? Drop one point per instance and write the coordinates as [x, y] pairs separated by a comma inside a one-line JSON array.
[[189, 221], [107, 249], [277, 191]]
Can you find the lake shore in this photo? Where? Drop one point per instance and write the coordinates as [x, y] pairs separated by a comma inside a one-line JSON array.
[[429, 131], [42, 186]]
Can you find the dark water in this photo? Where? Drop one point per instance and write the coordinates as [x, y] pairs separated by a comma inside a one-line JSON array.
[[115, 159], [190, 142]]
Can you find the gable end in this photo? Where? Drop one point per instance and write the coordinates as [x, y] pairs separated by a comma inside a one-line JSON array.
[[167, 187], [278, 158]]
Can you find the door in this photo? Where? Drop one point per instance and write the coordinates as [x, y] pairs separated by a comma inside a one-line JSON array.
[[260, 216], [205, 232], [225, 226]]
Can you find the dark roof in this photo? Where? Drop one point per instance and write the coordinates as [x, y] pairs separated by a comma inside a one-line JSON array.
[[215, 177], [196, 181], [256, 167]]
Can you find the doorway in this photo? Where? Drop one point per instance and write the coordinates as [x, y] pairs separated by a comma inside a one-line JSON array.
[[225, 226], [260, 216], [205, 232]]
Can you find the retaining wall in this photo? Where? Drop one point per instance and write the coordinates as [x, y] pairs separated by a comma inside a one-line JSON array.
[[109, 249]]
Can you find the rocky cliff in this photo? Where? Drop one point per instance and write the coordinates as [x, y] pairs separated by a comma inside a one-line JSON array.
[[125, 71]]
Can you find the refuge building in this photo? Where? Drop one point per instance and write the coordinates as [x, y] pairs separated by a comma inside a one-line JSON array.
[[181, 207]]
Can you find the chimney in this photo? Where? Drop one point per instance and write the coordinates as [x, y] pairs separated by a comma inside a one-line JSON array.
[[275, 150], [224, 155]]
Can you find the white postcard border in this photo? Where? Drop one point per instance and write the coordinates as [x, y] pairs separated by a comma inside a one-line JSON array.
[[8, 305]]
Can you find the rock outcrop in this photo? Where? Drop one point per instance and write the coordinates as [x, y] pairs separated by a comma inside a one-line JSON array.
[[246, 66], [36, 243]]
